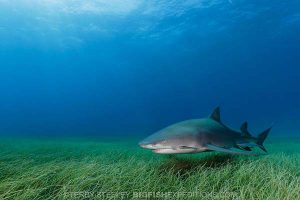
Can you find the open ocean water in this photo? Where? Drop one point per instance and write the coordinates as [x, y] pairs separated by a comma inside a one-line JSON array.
[[82, 82]]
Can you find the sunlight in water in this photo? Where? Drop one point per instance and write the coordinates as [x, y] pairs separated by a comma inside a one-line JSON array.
[[113, 7]]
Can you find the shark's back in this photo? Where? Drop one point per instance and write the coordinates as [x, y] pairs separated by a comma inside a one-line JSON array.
[[196, 127], [199, 124]]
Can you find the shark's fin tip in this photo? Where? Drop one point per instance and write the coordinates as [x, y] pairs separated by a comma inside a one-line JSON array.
[[215, 115], [244, 129]]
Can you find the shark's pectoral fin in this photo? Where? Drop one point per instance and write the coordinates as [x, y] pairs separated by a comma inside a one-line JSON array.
[[232, 151]]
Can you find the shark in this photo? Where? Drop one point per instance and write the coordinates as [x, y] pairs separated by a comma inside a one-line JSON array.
[[203, 135]]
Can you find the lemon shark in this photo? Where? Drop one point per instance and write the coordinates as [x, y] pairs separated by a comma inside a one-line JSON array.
[[201, 135]]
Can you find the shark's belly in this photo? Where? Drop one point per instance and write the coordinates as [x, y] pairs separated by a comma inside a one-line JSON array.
[[179, 151]]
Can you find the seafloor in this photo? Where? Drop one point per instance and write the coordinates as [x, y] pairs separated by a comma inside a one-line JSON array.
[[117, 168]]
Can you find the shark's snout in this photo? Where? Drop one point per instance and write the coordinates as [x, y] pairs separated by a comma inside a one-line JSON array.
[[146, 145]]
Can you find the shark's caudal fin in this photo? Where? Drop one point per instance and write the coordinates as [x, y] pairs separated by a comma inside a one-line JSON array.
[[261, 138]]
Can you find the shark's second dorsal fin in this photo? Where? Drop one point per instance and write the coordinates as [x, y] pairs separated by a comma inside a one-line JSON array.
[[215, 115], [244, 130]]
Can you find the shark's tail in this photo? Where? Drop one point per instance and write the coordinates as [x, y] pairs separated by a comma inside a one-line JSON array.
[[261, 138]]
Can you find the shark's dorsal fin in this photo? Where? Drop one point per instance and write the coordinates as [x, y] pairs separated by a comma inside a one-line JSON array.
[[215, 115], [244, 130]]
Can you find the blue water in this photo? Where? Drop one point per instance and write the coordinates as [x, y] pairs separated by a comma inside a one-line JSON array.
[[130, 67]]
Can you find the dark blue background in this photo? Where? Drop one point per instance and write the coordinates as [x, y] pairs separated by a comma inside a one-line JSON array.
[[243, 56]]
